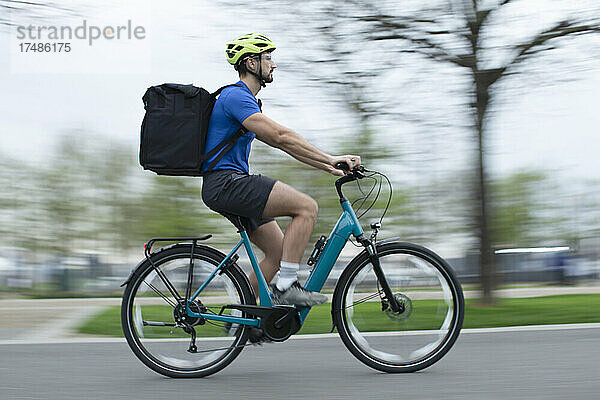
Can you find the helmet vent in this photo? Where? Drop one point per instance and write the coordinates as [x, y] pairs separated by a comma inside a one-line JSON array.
[[230, 47], [261, 44], [238, 48]]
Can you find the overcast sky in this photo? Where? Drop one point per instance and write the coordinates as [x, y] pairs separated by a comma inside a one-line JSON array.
[[99, 87]]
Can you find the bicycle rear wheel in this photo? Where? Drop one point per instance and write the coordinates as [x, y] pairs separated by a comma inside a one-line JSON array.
[[150, 311], [422, 331]]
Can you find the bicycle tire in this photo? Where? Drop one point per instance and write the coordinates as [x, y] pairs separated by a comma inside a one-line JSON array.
[[406, 341], [149, 343]]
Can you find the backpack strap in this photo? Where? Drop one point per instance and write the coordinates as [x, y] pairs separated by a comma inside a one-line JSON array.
[[218, 91], [228, 143]]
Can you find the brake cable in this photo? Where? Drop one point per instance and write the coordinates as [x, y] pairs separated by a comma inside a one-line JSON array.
[[365, 197]]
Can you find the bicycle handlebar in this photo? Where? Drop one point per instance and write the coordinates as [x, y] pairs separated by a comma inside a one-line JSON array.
[[352, 175]]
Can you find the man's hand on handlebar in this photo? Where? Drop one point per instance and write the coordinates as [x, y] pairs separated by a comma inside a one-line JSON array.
[[349, 160]]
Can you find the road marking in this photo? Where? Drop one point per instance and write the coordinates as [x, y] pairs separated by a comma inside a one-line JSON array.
[[558, 327], [321, 335]]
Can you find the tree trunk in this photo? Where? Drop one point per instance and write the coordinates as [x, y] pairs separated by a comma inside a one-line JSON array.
[[486, 255]]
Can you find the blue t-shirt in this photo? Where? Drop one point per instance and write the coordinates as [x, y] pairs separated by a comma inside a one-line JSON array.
[[232, 107]]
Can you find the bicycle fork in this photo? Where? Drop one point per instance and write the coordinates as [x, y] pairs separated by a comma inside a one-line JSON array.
[[369, 245]]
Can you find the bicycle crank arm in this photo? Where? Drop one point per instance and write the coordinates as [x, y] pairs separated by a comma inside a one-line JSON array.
[[291, 313]]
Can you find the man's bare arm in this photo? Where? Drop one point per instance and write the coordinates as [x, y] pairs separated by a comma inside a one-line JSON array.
[[276, 135], [320, 165], [283, 138]]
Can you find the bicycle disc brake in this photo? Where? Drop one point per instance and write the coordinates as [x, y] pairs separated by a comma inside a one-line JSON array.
[[406, 307]]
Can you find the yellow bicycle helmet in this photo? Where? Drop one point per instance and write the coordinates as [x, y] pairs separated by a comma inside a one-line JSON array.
[[251, 43]]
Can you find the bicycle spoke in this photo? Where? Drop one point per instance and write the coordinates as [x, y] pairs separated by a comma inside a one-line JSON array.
[[167, 283], [413, 336], [359, 301], [151, 286], [160, 328], [372, 296]]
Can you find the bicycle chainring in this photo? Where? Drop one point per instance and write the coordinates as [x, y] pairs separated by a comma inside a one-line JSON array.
[[272, 332]]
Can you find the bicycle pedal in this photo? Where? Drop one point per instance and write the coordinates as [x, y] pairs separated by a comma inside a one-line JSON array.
[[257, 337], [193, 349]]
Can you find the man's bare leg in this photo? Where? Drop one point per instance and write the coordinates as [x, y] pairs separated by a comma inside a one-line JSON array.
[[284, 200], [287, 201], [269, 238]]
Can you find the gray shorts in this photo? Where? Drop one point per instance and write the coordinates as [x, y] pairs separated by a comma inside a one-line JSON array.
[[238, 195]]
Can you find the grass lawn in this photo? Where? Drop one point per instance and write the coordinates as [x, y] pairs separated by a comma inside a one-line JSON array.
[[564, 309]]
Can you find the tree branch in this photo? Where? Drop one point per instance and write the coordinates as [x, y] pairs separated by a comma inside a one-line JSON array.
[[5, 4], [561, 29], [429, 49], [409, 29]]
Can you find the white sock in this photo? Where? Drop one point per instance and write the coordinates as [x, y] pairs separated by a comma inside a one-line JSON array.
[[288, 274]]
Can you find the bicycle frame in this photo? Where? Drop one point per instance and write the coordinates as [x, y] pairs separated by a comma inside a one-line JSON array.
[[346, 225]]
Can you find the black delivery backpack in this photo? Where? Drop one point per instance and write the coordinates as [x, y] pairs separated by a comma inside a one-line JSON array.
[[174, 130]]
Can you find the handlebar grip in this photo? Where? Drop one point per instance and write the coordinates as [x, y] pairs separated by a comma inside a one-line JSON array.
[[342, 165]]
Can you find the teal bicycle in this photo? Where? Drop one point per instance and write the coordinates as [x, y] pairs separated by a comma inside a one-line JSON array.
[[188, 309]]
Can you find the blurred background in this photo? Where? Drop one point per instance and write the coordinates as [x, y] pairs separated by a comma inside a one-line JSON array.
[[483, 114]]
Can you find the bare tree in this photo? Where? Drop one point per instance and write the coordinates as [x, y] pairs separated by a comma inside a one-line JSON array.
[[475, 37], [428, 36]]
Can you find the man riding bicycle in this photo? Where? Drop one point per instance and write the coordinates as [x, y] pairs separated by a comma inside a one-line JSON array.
[[229, 189]]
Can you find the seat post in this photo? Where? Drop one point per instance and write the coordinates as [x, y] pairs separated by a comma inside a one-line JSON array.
[[239, 225]]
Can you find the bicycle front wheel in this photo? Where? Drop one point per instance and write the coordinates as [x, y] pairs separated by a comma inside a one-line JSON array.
[[425, 327], [152, 315]]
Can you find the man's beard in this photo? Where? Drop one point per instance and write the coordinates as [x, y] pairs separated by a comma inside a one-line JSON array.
[[268, 78]]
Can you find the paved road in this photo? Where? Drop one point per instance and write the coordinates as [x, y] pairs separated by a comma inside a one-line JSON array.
[[554, 363]]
